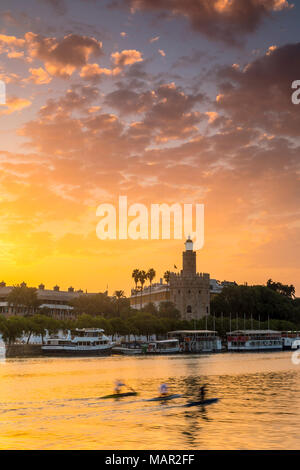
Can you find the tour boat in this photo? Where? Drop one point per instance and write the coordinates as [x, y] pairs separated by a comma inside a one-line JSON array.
[[80, 342], [254, 340], [197, 341], [131, 348], [166, 346], [290, 339]]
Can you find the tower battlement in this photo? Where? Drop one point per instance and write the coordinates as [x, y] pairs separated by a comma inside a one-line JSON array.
[[190, 290]]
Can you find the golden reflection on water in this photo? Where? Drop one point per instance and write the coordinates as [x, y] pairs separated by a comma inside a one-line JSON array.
[[49, 403]]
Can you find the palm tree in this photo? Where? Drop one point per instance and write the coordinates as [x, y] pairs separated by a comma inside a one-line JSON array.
[[136, 276], [151, 275], [142, 279], [119, 294], [167, 277]]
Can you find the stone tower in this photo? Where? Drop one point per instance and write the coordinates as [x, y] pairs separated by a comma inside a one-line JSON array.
[[189, 290]]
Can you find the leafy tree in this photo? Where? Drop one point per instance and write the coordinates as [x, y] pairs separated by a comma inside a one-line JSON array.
[[258, 301], [284, 289], [150, 308], [97, 304], [168, 310], [13, 328], [25, 298]]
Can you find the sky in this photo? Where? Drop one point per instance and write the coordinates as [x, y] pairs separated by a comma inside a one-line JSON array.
[[164, 101]]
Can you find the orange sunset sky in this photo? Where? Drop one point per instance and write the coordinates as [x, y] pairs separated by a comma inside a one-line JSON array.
[[163, 102]]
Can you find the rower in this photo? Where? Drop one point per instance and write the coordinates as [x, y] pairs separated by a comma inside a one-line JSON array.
[[118, 386], [203, 392], [163, 390]]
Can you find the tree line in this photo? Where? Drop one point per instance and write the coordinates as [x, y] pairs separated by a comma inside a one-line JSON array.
[[273, 305]]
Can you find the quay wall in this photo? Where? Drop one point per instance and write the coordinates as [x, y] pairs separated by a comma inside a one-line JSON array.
[[23, 350]]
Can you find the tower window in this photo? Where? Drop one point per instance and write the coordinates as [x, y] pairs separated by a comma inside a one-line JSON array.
[[189, 309], [189, 291], [179, 291]]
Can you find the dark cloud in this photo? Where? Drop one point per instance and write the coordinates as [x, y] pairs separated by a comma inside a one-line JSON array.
[[77, 98], [72, 49], [259, 94], [129, 102], [224, 20], [59, 6]]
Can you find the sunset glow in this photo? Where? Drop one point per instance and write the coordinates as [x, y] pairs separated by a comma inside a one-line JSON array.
[[107, 99]]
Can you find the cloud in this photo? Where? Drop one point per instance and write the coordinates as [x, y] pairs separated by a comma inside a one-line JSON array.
[[15, 55], [161, 110], [39, 76], [129, 102], [14, 104], [224, 20], [162, 53], [59, 6], [156, 38], [77, 98], [259, 94], [10, 42], [94, 73], [126, 57], [61, 57]]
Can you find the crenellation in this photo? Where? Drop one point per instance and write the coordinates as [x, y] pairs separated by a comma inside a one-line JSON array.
[[189, 290]]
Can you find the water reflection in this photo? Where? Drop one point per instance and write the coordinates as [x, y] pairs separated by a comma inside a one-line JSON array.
[[55, 403]]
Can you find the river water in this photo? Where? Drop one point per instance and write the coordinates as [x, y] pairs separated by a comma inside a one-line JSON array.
[[48, 403]]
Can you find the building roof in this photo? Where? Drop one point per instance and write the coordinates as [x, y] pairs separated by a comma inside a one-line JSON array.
[[253, 332], [192, 331], [47, 296]]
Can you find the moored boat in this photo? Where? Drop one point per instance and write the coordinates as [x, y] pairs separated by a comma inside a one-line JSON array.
[[290, 339], [80, 342], [254, 340], [131, 348], [166, 346], [197, 341]]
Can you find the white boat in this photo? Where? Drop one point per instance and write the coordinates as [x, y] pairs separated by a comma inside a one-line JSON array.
[[80, 342], [254, 340], [127, 351], [197, 341], [166, 346], [290, 339], [2, 349]]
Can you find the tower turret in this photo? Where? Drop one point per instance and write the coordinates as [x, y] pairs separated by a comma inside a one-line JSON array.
[[189, 259]]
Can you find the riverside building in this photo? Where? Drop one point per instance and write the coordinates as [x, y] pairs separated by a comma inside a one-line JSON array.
[[55, 300], [188, 290]]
